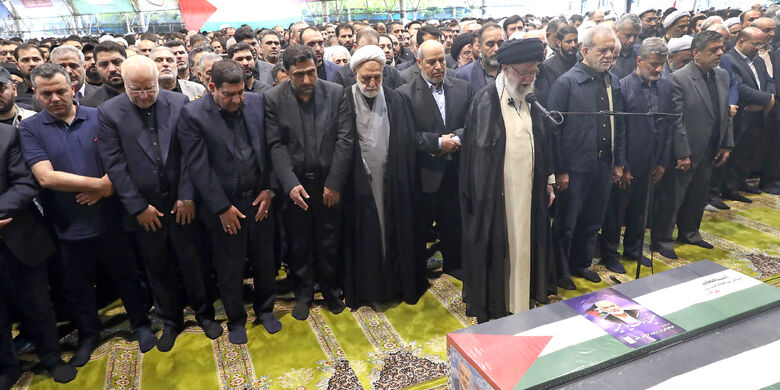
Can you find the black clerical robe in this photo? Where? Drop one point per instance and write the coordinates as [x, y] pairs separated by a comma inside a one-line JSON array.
[[370, 277], [483, 213]]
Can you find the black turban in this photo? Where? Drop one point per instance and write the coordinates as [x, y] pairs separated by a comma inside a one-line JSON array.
[[459, 43], [516, 51]]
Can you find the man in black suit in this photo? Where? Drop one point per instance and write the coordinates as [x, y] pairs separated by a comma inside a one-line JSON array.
[[310, 135], [756, 98], [138, 146], [245, 56], [108, 57], [23, 274], [223, 139], [438, 143]]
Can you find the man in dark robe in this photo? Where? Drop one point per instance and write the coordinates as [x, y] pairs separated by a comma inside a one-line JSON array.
[[489, 290], [381, 266]]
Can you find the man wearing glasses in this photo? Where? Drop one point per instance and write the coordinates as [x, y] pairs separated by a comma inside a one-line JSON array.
[[650, 25], [138, 146]]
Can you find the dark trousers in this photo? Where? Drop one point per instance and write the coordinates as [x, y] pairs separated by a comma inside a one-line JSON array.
[[627, 208], [443, 207], [680, 199], [27, 288], [770, 161], [113, 251], [740, 162], [310, 233], [255, 241], [580, 214], [165, 252]]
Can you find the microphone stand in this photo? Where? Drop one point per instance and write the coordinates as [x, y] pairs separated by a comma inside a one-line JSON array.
[[656, 116]]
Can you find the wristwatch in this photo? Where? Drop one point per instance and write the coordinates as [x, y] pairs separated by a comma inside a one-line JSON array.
[[271, 193], [188, 202]]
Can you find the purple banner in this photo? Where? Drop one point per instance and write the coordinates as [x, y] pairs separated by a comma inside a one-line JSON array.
[[626, 320]]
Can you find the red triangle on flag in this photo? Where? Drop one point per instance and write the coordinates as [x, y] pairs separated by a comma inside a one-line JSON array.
[[195, 13], [501, 359]]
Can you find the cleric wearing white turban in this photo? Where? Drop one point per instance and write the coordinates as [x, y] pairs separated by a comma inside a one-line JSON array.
[[380, 265]]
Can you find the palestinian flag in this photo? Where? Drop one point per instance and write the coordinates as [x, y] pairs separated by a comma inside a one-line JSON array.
[[555, 344]]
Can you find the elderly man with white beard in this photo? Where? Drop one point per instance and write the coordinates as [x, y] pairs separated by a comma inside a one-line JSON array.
[[380, 266], [169, 78], [505, 191]]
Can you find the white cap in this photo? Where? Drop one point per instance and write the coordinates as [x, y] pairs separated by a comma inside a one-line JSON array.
[[730, 22], [672, 17], [106, 38], [519, 34], [122, 42], [365, 54], [679, 44], [655, 10]]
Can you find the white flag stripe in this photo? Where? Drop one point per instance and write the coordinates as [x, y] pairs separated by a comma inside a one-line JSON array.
[[750, 370], [578, 329]]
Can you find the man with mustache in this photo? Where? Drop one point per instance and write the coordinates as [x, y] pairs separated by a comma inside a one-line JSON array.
[[703, 138], [588, 151], [481, 73], [438, 142], [505, 171], [90, 67], [650, 25], [183, 69], [108, 57], [244, 55], [380, 266], [27, 57], [10, 112], [72, 60], [168, 78], [648, 153], [627, 31], [270, 46], [310, 138]]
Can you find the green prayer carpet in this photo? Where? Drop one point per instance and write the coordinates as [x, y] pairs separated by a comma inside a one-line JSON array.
[[391, 347]]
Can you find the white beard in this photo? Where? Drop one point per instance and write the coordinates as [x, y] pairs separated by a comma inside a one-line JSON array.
[[368, 94]]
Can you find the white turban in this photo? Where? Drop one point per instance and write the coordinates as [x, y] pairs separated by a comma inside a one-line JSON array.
[[679, 44], [730, 22], [106, 38], [672, 17], [365, 54]]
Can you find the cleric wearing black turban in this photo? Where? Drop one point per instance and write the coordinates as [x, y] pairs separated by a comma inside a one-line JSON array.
[[504, 191]]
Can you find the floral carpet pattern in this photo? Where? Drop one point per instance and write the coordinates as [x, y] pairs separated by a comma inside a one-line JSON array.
[[392, 347]]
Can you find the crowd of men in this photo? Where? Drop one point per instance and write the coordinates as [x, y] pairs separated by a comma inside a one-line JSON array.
[[169, 168]]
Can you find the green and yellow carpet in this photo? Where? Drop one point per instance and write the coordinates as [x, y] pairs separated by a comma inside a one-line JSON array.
[[392, 347]]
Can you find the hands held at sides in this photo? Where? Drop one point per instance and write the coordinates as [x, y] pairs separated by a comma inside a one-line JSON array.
[[658, 173], [264, 200], [683, 164], [562, 181], [550, 194], [617, 174], [722, 156], [329, 197], [624, 181], [229, 220], [104, 189], [184, 210], [448, 144], [5, 221], [150, 219]]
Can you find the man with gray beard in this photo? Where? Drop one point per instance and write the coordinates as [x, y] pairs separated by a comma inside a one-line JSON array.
[[505, 191], [483, 72], [169, 79]]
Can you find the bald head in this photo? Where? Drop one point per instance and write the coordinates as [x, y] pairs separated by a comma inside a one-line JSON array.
[[140, 76], [429, 48], [749, 41]]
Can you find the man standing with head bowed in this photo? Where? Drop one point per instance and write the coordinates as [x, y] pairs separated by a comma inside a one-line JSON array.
[[310, 136], [505, 191], [222, 136], [138, 145]]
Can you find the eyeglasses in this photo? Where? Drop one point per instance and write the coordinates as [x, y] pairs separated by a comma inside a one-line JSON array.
[[142, 92]]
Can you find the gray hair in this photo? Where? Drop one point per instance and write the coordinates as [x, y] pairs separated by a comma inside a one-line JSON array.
[[160, 48], [590, 34], [208, 57], [48, 71], [63, 50], [653, 47], [337, 49], [629, 19], [772, 12], [711, 21]]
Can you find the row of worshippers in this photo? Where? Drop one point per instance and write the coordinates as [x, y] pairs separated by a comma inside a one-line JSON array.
[[369, 225]]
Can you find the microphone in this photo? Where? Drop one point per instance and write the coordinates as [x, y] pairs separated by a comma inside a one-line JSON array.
[[554, 117]]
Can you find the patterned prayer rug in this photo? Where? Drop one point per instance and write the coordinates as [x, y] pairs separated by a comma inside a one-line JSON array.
[[392, 347]]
